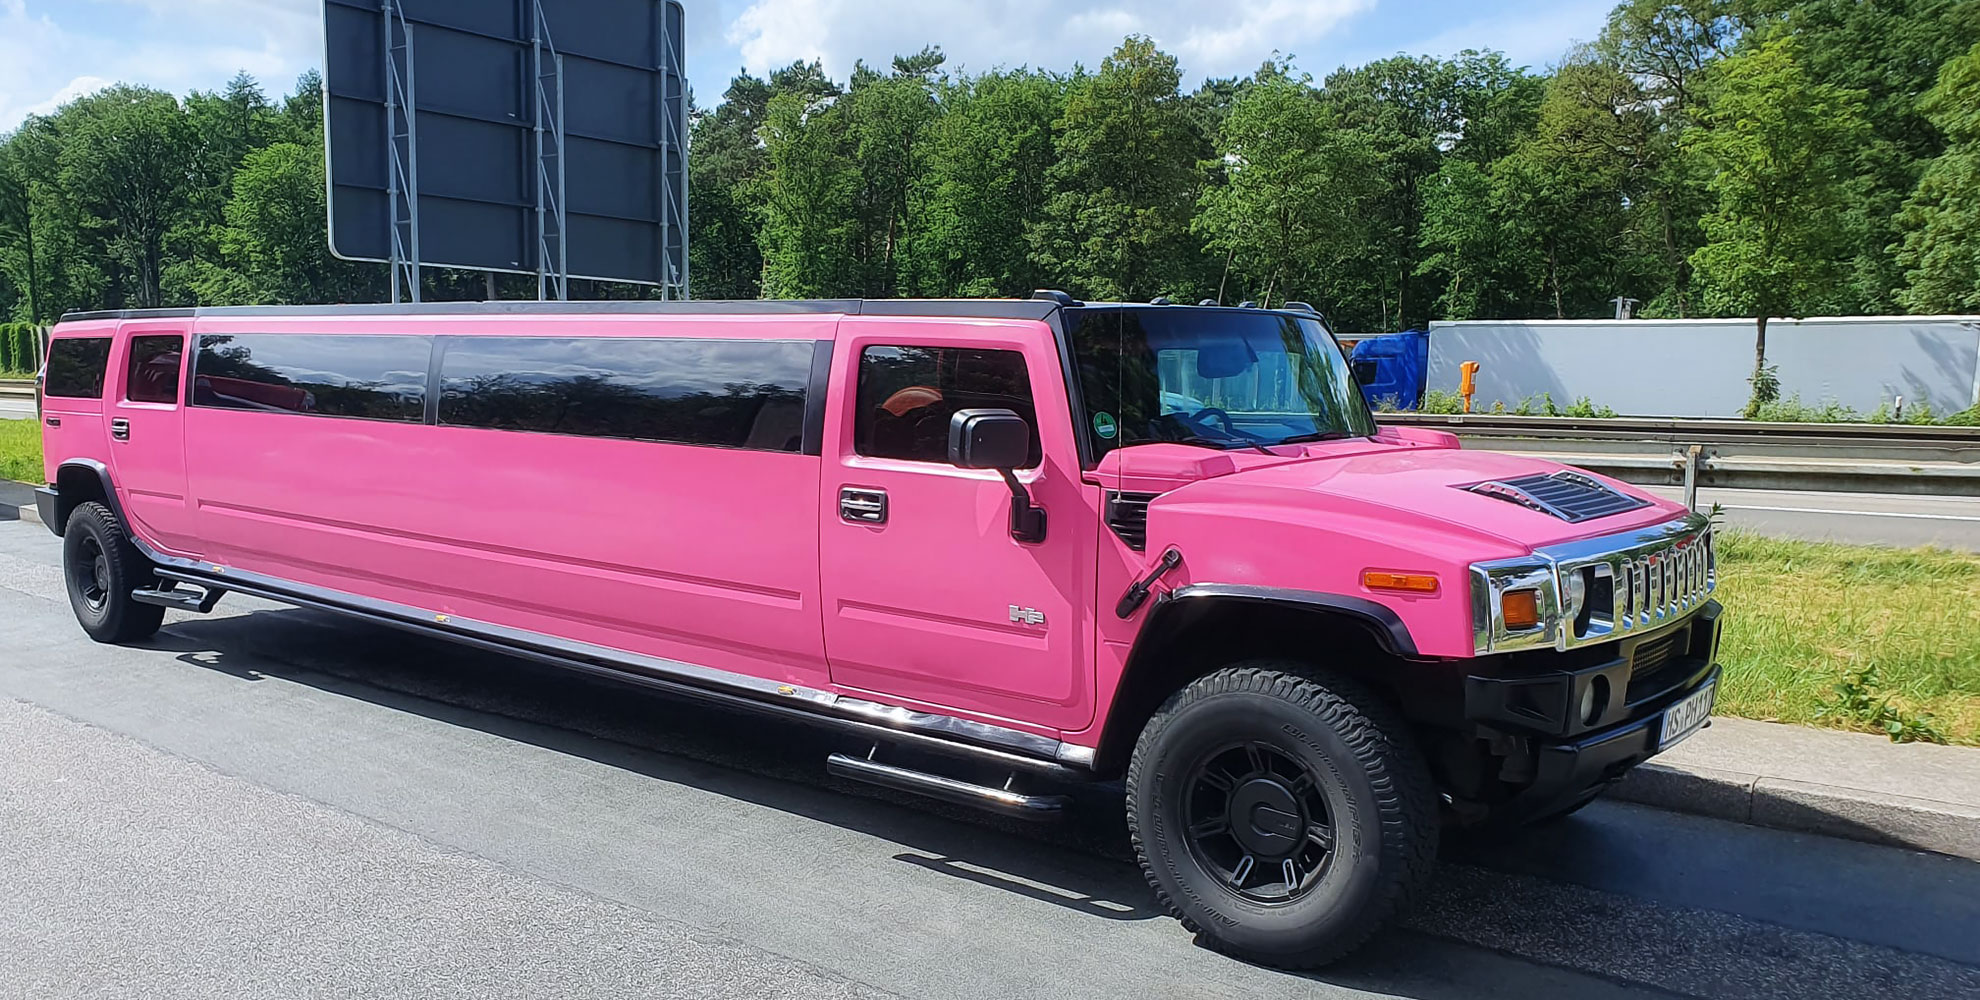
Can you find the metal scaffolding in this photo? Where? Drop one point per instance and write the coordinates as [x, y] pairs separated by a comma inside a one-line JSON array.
[[552, 213], [402, 148]]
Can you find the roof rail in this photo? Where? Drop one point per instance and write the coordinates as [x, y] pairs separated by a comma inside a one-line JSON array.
[[1161, 300], [1300, 307], [1247, 304], [1054, 295], [1209, 302]]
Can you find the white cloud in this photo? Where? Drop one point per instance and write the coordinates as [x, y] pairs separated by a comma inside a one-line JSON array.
[[52, 51], [1228, 37]]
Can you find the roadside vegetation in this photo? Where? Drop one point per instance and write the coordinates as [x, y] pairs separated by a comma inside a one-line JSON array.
[[1851, 637], [20, 450], [1789, 410]]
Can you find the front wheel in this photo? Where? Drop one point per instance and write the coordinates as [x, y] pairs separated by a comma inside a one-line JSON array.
[[1282, 814], [101, 568]]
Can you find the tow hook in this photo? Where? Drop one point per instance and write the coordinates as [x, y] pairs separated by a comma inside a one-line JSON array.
[[1137, 592]]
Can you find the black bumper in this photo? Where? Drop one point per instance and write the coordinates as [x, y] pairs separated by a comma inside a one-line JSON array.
[[47, 505], [1569, 759]]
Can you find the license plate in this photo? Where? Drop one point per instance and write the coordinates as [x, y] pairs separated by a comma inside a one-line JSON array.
[[1686, 717]]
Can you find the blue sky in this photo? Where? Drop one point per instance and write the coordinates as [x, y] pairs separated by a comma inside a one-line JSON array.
[[53, 50]]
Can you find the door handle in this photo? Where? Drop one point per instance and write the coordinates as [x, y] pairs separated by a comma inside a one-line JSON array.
[[54, 421], [120, 428], [862, 506]]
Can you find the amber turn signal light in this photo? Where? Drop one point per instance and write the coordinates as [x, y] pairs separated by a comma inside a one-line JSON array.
[[1408, 583], [1520, 608]]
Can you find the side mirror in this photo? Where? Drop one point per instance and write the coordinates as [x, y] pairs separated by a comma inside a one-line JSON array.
[[1000, 440], [988, 439]]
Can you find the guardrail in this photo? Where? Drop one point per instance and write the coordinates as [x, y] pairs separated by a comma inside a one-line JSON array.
[[22, 387], [1665, 451]]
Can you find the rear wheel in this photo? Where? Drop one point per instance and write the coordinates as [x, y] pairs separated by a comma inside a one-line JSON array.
[[1281, 813], [101, 568]]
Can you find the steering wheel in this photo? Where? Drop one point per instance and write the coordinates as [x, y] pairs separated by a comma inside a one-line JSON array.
[[1222, 418]]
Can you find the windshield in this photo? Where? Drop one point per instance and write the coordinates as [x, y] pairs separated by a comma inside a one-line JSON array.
[[1218, 378]]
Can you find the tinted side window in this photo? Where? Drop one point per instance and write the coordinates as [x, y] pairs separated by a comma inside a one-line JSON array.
[[731, 393], [76, 366], [153, 375], [375, 377], [908, 394]]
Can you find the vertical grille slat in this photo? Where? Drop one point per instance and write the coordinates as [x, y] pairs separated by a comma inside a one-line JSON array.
[[1657, 586]]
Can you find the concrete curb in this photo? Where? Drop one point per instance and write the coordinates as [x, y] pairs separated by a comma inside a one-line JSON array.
[[1807, 807]]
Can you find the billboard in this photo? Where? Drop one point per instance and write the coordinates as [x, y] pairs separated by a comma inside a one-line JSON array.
[[543, 137]]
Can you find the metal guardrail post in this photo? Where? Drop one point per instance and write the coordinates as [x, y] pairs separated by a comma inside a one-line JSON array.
[[1691, 456]]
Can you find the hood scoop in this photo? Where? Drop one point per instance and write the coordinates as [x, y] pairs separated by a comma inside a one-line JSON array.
[[1570, 496]]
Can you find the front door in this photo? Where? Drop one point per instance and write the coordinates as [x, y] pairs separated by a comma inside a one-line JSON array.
[[147, 433], [929, 600]]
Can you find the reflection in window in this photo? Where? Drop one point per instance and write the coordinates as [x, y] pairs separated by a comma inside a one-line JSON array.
[[75, 367], [374, 377], [908, 394], [731, 393], [152, 375]]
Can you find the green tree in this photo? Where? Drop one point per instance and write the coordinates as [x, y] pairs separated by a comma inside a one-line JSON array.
[[1292, 207], [1780, 145], [1940, 252], [1126, 183]]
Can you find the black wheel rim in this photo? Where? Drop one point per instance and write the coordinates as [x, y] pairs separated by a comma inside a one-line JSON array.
[[1258, 821], [92, 574]]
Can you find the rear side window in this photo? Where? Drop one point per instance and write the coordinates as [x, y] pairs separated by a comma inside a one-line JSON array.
[[908, 394], [730, 393], [76, 366], [372, 377], [153, 375]]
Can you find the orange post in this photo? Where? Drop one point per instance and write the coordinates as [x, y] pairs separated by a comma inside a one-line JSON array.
[[1467, 382]]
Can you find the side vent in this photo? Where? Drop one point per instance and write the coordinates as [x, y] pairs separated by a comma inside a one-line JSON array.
[[1127, 514], [1568, 495]]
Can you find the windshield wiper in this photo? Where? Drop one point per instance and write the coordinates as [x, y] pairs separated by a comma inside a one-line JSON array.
[[1221, 444], [1314, 436]]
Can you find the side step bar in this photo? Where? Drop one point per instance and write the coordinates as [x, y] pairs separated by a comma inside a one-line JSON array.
[[170, 596], [998, 800]]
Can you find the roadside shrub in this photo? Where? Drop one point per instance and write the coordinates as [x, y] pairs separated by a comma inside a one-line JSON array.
[[1859, 699], [18, 348], [1790, 409]]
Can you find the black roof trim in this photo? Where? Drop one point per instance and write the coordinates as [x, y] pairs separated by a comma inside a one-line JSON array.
[[985, 308]]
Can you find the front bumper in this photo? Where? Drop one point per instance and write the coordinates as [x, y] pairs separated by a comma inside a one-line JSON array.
[[1563, 759]]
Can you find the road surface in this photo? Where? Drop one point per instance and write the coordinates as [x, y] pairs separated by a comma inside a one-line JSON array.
[[271, 802], [1869, 518], [16, 408]]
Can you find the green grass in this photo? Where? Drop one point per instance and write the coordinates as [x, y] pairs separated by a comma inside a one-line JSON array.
[[20, 450], [1803, 617]]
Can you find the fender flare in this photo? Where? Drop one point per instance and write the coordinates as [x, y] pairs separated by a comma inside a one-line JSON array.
[[64, 505], [1386, 626]]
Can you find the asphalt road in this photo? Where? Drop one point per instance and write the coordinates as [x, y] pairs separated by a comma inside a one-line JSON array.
[[16, 408], [271, 802], [1870, 518]]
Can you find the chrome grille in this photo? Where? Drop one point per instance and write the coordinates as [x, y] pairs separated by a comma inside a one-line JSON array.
[[1663, 584]]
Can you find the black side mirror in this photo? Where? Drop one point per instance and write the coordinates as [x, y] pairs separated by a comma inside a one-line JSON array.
[[1000, 440]]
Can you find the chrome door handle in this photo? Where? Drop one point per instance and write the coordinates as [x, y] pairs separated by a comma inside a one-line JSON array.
[[120, 428], [860, 506]]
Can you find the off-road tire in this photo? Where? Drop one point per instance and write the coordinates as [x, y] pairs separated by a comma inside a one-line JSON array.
[[1364, 760], [100, 568]]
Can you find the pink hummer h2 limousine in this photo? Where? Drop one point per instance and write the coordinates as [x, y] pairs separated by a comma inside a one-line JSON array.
[[1002, 546]]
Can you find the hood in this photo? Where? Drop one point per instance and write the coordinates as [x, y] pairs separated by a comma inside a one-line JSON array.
[[1412, 484]]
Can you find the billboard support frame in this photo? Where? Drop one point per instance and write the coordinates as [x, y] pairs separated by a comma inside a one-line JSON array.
[[402, 168], [552, 213]]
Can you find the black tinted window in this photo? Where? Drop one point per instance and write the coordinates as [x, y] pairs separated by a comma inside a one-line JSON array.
[[153, 373], [908, 394], [733, 393], [75, 367], [379, 378]]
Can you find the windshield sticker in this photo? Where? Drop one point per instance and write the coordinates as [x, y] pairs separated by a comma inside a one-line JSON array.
[[1104, 425]]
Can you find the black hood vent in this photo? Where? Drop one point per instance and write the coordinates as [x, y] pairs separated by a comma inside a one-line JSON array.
[[1127, 514], [1570, 496]]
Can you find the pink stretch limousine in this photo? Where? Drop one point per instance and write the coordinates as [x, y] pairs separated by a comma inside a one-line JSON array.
[[1039, 540]]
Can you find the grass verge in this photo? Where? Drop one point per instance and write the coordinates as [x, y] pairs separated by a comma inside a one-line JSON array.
[[20, 450], [1805, 617]]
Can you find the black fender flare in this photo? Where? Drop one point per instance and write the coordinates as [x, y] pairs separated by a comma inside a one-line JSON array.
[[1387, 628], [65, 504]]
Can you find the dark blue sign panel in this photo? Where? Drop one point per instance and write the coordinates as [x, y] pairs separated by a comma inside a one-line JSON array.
[[520, 108]]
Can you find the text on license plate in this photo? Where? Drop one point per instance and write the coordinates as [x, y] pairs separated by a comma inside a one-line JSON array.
[[1685, 717]]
